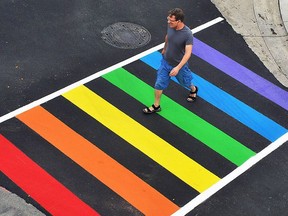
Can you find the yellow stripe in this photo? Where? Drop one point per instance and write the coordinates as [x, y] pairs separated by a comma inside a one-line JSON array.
[[141, 138]]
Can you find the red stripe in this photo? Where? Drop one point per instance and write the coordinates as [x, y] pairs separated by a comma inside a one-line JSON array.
[[36, 182]]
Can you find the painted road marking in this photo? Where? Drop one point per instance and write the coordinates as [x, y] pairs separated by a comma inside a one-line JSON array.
[[196, 127], [36, 182], [119, 179], [141, 138], [200, 198], [231, 105]]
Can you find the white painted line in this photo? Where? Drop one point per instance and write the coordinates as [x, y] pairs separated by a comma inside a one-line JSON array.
[[207, 25], [97, 74], [231, 176]]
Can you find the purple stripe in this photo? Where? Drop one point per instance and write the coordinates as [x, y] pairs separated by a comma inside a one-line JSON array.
[[240, 73]]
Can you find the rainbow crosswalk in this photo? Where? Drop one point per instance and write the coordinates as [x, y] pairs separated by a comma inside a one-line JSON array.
[[151, 165]]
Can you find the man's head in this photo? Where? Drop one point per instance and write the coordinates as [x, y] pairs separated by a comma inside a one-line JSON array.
[[177, 13], [175, 16]]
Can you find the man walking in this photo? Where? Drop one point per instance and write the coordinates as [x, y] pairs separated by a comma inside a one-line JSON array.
[[176, 53]]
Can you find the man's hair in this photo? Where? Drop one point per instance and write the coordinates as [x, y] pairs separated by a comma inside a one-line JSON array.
[[178, 13]]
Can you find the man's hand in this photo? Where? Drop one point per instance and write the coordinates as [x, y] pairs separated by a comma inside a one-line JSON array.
[[174, 71]]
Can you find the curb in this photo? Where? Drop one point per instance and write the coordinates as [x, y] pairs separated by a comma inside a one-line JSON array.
[[283, 4]]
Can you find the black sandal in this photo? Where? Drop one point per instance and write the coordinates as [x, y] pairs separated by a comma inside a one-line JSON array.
[[146, 110], [192, 98]]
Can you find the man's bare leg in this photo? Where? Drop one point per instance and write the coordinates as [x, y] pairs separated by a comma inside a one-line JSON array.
[[193, 94], [156, 105], [157, 95]]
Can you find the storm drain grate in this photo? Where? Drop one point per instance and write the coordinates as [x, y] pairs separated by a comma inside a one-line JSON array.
[[126, 35]]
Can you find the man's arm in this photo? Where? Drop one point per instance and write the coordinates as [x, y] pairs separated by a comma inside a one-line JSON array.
[[165, 45], [187, 55]]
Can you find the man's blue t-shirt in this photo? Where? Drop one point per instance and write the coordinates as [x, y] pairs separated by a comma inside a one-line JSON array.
[[177, 40]]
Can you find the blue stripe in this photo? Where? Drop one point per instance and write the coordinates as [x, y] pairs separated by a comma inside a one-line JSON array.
[[228, 104]]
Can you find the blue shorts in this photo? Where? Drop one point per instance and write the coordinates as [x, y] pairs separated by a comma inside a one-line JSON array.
[[184, 76]]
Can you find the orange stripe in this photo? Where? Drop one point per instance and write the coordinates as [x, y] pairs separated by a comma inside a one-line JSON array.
[[141, 195]]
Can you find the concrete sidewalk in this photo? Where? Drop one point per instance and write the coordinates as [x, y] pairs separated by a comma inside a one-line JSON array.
[[263, 24]]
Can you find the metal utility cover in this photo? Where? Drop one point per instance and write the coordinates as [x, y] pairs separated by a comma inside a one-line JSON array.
[[126, 35]]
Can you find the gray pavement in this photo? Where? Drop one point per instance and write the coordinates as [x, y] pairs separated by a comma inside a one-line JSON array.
[[263, 24], [11, 204]]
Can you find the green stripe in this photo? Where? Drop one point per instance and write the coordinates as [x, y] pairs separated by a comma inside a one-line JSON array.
[[211, 136]]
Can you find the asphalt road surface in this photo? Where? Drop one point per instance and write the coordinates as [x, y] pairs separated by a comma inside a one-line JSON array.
[[88, 148]]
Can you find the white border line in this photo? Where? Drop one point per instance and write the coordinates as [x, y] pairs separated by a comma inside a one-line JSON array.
[[97, 74], [231, 176]]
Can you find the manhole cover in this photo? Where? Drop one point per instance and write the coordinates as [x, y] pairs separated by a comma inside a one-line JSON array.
[[126, 35]]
